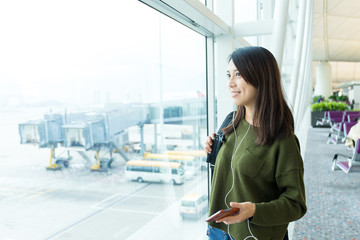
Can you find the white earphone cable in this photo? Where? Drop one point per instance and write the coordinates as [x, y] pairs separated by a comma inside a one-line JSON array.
[[233, 178]]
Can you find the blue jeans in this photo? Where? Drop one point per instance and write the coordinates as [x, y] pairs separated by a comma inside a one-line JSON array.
[[217, 234]]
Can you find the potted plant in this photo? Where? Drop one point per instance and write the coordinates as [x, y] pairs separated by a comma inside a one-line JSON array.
[[318, 110]]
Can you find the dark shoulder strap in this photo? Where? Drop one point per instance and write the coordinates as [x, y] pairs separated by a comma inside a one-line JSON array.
[[211, 158], [298, 142], [226, 122]]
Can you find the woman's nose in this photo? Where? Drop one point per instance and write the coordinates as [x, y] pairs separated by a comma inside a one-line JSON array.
[[231, 82]]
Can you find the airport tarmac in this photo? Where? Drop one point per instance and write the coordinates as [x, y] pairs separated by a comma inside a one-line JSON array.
[[75, 203]]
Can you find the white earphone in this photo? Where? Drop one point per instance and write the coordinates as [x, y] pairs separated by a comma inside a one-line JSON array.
[[233, 179]]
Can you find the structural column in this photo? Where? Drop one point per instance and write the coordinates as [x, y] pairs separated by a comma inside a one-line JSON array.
[[279, 33], [224, 45], [305, 58], [298, 50], [323, 79]]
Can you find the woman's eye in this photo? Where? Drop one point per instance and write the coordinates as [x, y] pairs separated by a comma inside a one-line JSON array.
[[228, 75], [238, 74]]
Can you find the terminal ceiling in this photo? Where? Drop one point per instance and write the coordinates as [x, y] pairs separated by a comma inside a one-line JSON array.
[[336, 38]]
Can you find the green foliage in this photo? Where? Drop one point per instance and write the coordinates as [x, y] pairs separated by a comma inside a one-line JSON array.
[[333, 97], [329, 106], [342, 98], [315, 99]]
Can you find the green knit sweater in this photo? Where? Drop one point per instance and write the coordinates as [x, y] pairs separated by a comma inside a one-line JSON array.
[[269, 176]]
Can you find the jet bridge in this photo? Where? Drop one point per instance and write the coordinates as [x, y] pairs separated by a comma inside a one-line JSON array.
[[104, 130], [96, 130], [45, 133]]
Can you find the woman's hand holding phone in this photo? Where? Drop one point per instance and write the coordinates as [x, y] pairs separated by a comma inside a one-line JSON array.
[[221, 214], [245, 210]]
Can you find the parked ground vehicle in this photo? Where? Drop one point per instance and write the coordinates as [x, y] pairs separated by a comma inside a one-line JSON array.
[[154, 171], [191, 164], [193, 205], [200, 156]]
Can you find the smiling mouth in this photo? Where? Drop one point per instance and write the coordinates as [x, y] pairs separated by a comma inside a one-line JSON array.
[[234, 93]]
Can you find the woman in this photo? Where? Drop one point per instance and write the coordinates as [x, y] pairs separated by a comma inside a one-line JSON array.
[[258, 168], [354, 133]]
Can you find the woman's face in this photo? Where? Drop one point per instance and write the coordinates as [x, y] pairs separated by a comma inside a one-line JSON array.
[[242, 93]]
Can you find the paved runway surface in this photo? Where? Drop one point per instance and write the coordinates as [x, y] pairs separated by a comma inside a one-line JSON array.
[[80, 204], [75, 203]]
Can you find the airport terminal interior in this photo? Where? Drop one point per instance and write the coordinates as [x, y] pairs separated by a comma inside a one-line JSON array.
[[105, 108]]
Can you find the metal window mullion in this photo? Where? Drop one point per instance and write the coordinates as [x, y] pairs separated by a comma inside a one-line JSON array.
[[210, 85]]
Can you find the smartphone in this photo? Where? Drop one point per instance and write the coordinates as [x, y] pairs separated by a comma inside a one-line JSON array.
[[222, 213]]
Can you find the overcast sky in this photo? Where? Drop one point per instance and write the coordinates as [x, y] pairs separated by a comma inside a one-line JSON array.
[[80, 50]]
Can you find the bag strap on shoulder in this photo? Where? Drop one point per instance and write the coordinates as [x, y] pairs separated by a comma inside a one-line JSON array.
[[227, 121]]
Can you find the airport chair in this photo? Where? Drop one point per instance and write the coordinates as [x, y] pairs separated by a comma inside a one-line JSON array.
[[337, 134], [325, 120], [351, 117], [350, 161], [347, 113], [347, 127], [341, 134], [337, 120], [335, 117], [337, 131]]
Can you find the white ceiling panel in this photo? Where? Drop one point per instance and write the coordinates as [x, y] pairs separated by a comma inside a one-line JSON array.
[[343, 50], [318, 26], [337, 26], [343, 28], [318, 49], [346, 8], [341, 72], [318, 7]]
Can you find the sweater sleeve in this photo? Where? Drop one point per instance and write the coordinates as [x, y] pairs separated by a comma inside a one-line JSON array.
[[289, 176]]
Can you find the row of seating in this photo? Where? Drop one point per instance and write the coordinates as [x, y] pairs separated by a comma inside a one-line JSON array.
[[350, 160], [340, 124], [332, 117]]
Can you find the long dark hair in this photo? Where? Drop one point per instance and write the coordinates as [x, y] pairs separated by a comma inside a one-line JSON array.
[[272, 117]]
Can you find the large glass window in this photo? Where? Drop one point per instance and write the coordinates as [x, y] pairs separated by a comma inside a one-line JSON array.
[[247, 11], [88, 89]]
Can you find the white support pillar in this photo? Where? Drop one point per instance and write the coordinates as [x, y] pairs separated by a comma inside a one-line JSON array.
[[303, 93], [267, 8], [279, 34], [323, 79], [298, 47], [307, 87], [305, 58], [224, 46]]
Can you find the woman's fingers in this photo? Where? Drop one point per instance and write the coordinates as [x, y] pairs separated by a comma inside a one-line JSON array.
[[208, 143], [247, 210]]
